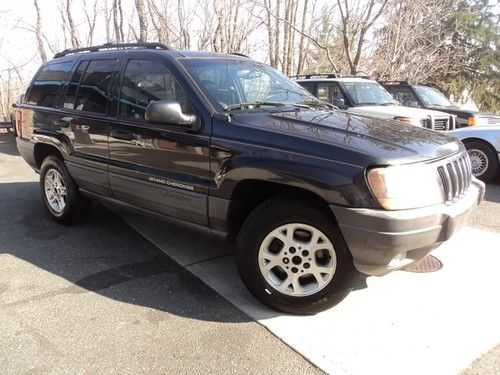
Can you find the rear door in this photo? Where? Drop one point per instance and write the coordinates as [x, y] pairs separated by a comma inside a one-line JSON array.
[[158, 167], [84, 121]]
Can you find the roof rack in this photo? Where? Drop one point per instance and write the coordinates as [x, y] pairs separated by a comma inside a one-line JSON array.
[[316, 75], [108, 46], [239, 54], [330, 75], [394, 82]]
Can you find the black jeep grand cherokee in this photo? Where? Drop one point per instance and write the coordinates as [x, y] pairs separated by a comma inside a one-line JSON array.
[[232, 147]]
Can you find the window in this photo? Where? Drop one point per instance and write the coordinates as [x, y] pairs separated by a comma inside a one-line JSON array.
[[69, 101], [47, 85], [145, 81], [329, 92], [405, 96], [432, 96], [309, 86], [232, 82], [368, 93], [93, 92]]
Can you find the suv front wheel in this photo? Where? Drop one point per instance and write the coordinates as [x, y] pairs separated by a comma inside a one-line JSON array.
[[292, 257], [60, 194]]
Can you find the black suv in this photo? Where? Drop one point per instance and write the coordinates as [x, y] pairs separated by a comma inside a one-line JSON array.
[[428, 97], [234, 148]]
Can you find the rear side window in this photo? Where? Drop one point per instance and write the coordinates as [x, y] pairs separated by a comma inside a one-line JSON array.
[[145, 81], [47, 85], [329, 92], [69, 101], [93, 93]]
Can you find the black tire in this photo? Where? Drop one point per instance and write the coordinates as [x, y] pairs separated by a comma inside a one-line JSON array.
[[484, 149], [76, 206], [262, 221]]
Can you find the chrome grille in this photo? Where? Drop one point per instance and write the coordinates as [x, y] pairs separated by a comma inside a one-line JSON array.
[[456, 176], [438, 123], [441, 124]]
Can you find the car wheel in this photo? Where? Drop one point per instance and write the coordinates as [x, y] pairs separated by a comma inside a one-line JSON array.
[[292, 257], [483, 159], [60, 194]]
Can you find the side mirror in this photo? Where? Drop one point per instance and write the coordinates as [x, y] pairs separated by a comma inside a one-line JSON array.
[[340, 103], [412, 104], [169, 112]]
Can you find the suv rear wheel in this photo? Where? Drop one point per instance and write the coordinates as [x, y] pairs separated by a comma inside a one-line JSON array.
[[60, 194], [292, 257]]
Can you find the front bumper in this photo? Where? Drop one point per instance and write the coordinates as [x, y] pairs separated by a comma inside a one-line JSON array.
[[382, 241]]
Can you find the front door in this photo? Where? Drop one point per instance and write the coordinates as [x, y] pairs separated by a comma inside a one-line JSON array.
[[158, 167]]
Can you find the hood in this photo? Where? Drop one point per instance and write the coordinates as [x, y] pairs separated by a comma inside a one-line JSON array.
[[375, 141], [391, 111]]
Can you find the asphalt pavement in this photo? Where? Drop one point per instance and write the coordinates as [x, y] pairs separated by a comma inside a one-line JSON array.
[[99, 298], [103, 296]]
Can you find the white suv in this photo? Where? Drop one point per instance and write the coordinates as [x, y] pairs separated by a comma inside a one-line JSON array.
[[365, 96]]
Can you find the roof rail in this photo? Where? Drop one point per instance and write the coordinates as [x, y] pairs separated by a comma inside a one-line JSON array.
[[329, 75], [108, 46], [394, 82], [238, 54], [316, 75]]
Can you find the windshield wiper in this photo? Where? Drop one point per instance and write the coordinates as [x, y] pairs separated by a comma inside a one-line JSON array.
[[252, 105]]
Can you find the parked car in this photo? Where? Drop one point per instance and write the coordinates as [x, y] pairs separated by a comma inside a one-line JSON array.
[[483, 145], [232, 147], [365, 96], [422, 96]]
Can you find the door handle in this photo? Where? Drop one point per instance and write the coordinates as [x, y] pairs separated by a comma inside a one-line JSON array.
[[122, 134], [61, 123]]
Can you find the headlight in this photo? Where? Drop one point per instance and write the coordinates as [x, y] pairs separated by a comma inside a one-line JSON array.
[[476, 121], [406, 186], [409, 121]]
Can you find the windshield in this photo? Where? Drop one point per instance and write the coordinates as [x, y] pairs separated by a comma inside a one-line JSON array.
[[432, 96], [366, 93], [232, 84]]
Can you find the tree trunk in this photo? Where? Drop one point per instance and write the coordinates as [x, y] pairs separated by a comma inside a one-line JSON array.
[[38, 32], [75, 43], [143, 21]]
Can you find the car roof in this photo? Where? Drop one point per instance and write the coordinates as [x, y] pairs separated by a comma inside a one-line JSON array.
[[116, 49]]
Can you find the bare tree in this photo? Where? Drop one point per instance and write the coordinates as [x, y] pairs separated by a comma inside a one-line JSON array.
[[118, 21], [413, 44], [143, 20], [357, 17], [91, 18], [38, 32], [75, 43]]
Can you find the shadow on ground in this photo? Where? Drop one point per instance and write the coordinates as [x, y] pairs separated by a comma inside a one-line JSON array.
[[7, 143], [103, 255]]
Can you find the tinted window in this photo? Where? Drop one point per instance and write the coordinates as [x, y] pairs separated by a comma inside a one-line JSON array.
[[47, 85], [309, 86], [145, 81], [92, 95], [69, 101], [404, 95]]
